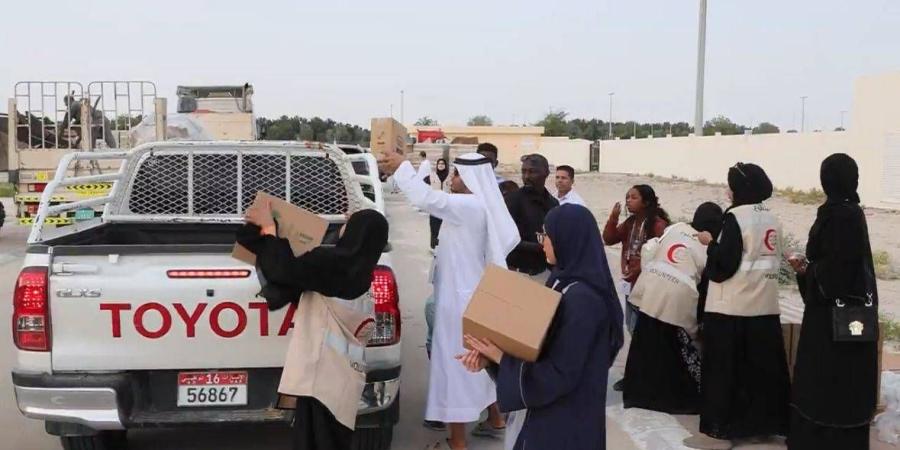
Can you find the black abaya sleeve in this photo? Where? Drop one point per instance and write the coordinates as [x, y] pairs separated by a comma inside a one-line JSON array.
[[835, 266], [724, 257], [279, 265]]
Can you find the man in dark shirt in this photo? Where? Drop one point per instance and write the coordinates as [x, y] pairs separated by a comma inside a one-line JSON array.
[[529, 206], [491, 152]]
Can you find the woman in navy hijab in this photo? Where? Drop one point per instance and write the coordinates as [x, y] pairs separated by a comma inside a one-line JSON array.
[[564, 392]]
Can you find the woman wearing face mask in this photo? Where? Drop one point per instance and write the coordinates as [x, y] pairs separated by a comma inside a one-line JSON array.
[[835, 379], [325, 411], [564, 392], [663, 368], [745, 387], [647, 220]]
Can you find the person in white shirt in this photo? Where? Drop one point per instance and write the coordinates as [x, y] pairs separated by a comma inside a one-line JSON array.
[[565, 178]]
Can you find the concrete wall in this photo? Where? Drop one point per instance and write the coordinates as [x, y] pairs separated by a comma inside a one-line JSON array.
[[564, 151], [791, 160]]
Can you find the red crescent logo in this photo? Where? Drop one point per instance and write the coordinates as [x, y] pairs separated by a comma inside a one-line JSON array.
[[670, 255], [770, 240]]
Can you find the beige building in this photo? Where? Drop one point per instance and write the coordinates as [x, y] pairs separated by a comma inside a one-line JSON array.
[[512, 142]]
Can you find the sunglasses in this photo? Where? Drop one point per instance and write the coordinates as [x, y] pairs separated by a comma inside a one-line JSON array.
[[541, 236], [738, 167]]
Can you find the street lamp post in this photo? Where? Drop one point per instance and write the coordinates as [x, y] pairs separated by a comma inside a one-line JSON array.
[[610, 115], [842, 120], [802, 114], [701, 68]]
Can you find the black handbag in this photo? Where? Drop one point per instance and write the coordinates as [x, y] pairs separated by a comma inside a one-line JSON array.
[[855, 318]]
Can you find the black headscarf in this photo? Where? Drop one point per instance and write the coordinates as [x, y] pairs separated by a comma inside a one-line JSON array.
[[580, 256], [579, 251], [708, 217], [442, 174], [342, 271], [749, 184], [840, 178]]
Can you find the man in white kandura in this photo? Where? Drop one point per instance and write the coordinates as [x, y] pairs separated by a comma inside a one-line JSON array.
[[477, 230]]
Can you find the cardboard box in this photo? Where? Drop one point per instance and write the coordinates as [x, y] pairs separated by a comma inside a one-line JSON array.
[[303, 229], [791, 333], [512, 311], [388, 136]]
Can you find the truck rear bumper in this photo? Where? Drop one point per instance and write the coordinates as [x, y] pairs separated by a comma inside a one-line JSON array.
[[115, 402], [94, 408]]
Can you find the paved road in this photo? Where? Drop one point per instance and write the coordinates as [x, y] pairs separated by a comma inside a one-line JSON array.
[[411, 259], [649, 430]]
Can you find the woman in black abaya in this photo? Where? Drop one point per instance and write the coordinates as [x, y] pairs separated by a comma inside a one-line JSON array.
[[663, 368], [745, 385], [341, 271], [434, 224], [835, 383]]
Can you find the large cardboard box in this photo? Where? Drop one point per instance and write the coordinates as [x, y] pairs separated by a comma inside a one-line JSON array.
[[388, 136], [303, 229], [512, 311], [791, 333]]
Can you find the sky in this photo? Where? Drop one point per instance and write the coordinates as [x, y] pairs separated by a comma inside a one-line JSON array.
[[513, 61]]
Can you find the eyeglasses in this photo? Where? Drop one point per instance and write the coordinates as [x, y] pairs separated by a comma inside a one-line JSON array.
[[738, 168], [541, 236]]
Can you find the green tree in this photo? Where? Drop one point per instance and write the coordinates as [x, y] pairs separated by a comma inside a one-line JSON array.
[[281, 129], [480, 121], [316, 129], [554, 123], [766, 128], [722, 124], [426, 121]]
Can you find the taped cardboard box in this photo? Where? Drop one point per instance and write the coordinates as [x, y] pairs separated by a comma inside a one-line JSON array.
[[388, 136], [303, 229], [512, 311]]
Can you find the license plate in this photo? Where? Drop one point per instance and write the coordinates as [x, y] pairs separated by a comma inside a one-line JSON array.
[[84, 214], [212, 389]]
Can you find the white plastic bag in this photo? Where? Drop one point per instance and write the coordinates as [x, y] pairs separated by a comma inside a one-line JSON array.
[[888, 423], [179, 127]]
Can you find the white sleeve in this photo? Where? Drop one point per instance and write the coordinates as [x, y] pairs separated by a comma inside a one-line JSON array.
[[444, 206], [579, 200], [424, 170]]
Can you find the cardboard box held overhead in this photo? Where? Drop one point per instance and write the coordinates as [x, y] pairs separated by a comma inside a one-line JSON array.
[[303, 229], [388, 136], [512, 311]]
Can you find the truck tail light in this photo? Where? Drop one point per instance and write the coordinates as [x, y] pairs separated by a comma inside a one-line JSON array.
[[31, 310], [208, 273], [387, 307]]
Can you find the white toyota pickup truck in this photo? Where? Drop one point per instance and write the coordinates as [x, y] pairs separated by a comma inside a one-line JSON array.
[[140, 318]]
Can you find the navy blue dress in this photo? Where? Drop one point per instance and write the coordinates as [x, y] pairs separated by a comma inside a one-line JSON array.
[[565, 390]]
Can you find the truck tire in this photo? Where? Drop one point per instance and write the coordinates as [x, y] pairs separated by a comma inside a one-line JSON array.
[[104, 440], [373, 438]]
